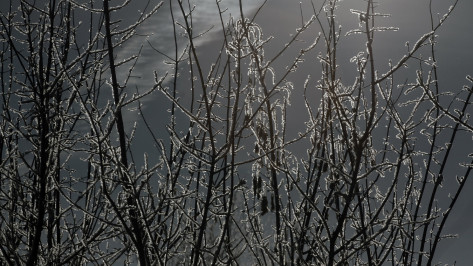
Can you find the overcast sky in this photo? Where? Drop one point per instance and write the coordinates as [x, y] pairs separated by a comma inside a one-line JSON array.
[[279, 18]]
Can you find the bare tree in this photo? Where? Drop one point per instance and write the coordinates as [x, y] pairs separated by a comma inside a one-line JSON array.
[[365, 180], [51, 80], [357, 196], [37, 128]]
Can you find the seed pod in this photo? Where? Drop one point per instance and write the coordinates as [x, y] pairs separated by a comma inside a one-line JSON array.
[[264, 205]]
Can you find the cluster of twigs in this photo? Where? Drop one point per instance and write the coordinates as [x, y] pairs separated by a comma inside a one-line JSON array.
[[230, 183]]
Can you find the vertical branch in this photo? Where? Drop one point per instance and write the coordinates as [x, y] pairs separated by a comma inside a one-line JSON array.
[[115, 87], [41, 99], [139, 235], [196, 251]]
